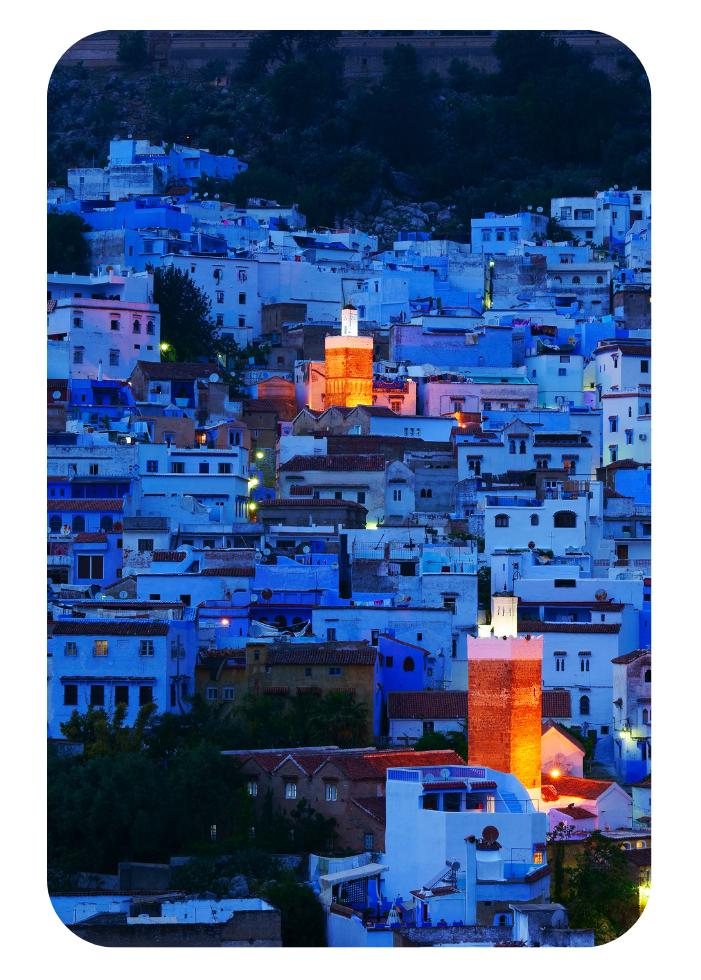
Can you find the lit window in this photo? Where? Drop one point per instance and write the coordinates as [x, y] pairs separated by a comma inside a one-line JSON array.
[[252, 787], [290, 791], [100, 648], [331, 792], [71, 649]]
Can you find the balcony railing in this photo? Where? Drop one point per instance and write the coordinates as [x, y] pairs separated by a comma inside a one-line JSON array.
[[53, 561]]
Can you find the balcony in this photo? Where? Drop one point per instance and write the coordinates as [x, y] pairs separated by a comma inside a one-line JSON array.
[[57, 561], [514, 501]]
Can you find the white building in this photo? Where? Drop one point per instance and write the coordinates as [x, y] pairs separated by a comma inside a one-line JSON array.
[[558, 373], [557, 524], [627, 418], [415, 713], [521, 446], [497, 233]]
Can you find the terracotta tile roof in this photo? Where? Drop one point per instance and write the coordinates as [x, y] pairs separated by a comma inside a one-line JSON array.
[[372, 463], [641, 350], [427, 704], [393, 447], [379, 411], [382, 761], [355, 767], [608, 492], [177, 371], [536, 626], [557, 704], [447, 784], [232, 570], [321, 653], [549, 794], [537, 875], [301, 490], [375, 806], [585, 789], [90, 537], [78, 505], [404, 643], [86, 627], [628, 658], [262, 405], [169, 555], [644, 783], [576, 812], [485, 784], [319, 502], [276, 690], [547, 725], [640, 857], [625, 464]]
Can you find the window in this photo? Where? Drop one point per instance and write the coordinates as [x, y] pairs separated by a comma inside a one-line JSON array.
[[78, 355], [177, 467], [562, 372], [565, 583], [486, 235], [644, 367], [576, 280], [375, 634], [613, 423], [335, 671], [78, 524], [106, 523], [146, 648], [648, 676], [368, 842], [70, 694], [584, 705], [512, 446], [449, 603], [225, 467], [290, 791], [513, 234], [152, 466], [629, 437], [637, 199], [613, 452], [242, 321], [212, 693], [55, 524], [428, 727], [584, 664], [204, 467], [565, 518], [331, 792], [173, 696], [501, 520], [599, 279], [361, 496], [150, 328], [252, 787], [389, 661], [145, 544], [243, 275], [114, 358], [100, 648], [77, 322], [338, 495], [487, 406], [136, 327], [330, 634], [242, 299], [308, 671], [220, 295], [114, 324], [640, 843], [500, 236], [408, 664], [397, 494], [97, 695], [90, 566], [559, 663], [70, 649], [145, 696], [121, 694], [185, 599]]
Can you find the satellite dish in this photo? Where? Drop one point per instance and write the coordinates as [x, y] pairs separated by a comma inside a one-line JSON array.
[[214, 377], [55, 394], [206, 194], [130, 136], [530, 207], [334, 565], [123, 594], [600, 595], [560, 758], [305, 549], [445, 773], [267, 594], [216, 197], [230, 152], [615, 187], [531, 544], [259, 554], [255, 629], [266, 551], [539, 210], [453, 864], [428, 777], [490, 834], [559, 920], [254, 598]]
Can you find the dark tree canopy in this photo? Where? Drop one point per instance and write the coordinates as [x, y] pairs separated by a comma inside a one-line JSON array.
[[67, 249], [186, 322], [132, 49]]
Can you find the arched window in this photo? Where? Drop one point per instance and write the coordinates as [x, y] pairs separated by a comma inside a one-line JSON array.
[[584, 705], [408, 664], [645, 716], [512, 446], [557, 278], [55, 523], [137, 326], [625, 846], [78, 523], [106, 523], [535, 520], [502, 920], [565, 518], [280, 621], [501, 520], [429, 492], [149, 327], [423, 493], [599, 279], [297, 621], [576, 280], [640, 844], [648, 676], [522, 447]]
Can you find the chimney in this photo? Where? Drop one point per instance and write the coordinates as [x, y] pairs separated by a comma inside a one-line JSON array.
[[99, 370]]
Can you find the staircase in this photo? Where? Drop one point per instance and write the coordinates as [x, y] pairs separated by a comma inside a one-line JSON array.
[[511, 803]]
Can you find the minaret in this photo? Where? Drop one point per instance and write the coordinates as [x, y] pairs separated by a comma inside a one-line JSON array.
[[504, 696], [349, 364]]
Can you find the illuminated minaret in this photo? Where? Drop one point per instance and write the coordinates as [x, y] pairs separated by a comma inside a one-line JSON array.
[[349, 364]]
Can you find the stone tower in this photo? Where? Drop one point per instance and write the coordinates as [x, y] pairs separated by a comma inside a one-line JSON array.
[[348, 364], [504, 697]]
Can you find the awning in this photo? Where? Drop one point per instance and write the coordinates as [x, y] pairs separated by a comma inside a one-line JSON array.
[[327, 882]]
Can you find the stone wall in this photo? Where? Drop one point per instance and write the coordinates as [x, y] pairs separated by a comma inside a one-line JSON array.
[[252, 928], [435, 935]]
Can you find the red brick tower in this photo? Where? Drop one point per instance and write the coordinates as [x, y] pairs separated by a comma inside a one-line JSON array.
[[504, 698]]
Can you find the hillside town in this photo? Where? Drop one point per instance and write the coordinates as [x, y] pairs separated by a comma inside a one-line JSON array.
[[390, 532]]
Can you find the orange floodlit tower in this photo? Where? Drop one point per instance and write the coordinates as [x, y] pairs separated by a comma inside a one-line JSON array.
[[348, 364], [504, 696]]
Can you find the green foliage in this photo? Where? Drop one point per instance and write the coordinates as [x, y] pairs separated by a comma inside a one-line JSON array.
[[601, 891], [186, 321], [302, 916], [67, 250], [214, 874], [105, 734], [337, 719], [484, 589], [214, 70], [457, 741], [132, 49]]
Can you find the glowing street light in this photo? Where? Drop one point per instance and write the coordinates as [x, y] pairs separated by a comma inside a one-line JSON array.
[[225, 622], [555, 773], [260, 455]]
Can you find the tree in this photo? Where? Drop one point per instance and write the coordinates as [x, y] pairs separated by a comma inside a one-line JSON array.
[[269, 724], [456, 740], [600, 889], [67, 250], [302, 916], [186, 322], [484, 590], [214, 70], [105, 734], [337, 719], [132, 49]]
